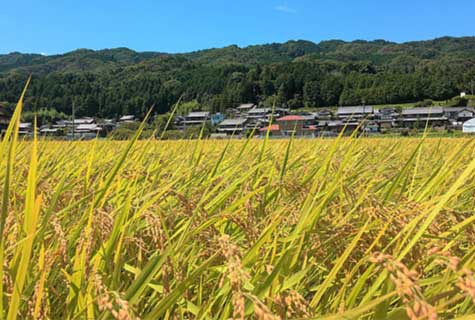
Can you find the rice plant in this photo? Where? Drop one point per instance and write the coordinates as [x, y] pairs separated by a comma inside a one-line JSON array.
[[347, 228]]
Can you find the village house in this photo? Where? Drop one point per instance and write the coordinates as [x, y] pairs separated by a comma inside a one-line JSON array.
[[386, 113], [25, 128], [127, 119], [274, 131], [386, 117], [469, 126], [280, 112], [47, 131], [217, 118], [355, 113], [76, 122], [292, 125], [69, 125], [258, 117], [85, 131], [233, 126], [324, 114], [458, 115], [88, 128], [179, 122], [196, 118], [322, 125], [337, 126], [243, 109], [422, 116], [370, 127], [107, 125], [309, 118], [259, 113]]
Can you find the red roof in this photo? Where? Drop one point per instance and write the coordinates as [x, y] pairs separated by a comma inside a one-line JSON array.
[[274, 127], [291, 118]]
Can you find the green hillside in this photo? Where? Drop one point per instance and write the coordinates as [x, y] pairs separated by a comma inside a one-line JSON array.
[[299, 74]]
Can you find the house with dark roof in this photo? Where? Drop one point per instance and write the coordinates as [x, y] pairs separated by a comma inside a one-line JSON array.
[[259, 113], [245, 107], [196, 118], [386, 117], [25, 128], [337, 126], [459, 114], [422, 116], [386, 113], [233, 126], [355, 113], [324, 114], [258, 117]]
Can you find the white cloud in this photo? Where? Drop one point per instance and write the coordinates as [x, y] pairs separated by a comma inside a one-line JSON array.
[[285, 8]]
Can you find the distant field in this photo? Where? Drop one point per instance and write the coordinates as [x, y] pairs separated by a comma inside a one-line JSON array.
[[328, 229]]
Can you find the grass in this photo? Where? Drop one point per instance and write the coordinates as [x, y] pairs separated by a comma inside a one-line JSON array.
[[322, 229]]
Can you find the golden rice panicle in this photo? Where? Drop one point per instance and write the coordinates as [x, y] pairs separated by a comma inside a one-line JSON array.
[[408, 289], [465, 276], [236, 274]]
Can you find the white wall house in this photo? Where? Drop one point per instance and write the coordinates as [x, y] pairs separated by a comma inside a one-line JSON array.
[[469, 126]]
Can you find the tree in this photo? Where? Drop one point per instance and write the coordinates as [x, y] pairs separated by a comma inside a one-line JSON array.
[[311, 94]]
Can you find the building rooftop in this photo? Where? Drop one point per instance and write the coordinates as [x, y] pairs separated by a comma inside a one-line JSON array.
[[260, 110], [88, 127], [198, 114], [85, 120], [354, 110], [291, 118], [274, 127], [422, 110], [25, 125], [49, 130], [128, 117], [233, 122], [431, 118], [458, 109]]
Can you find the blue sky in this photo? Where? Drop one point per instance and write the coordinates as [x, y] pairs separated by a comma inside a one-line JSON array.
[[57, 26]]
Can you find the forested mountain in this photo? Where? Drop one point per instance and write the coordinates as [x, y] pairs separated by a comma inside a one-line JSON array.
[[111, 82]]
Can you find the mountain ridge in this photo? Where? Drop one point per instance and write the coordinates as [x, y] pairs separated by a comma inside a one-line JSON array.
[[253, 54]]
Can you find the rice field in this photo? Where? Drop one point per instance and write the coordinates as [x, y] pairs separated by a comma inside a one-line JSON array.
[[345, 228]]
